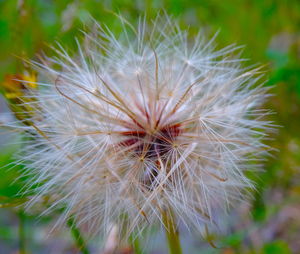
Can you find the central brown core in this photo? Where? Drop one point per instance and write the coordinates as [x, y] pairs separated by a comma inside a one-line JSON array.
[[151, 146]]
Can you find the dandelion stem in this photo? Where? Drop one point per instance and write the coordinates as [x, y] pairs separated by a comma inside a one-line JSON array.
[[22, 240], [135, 244], [79, 240], [172, 233]]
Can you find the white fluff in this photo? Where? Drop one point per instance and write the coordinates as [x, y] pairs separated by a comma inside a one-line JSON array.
[[145, 123]]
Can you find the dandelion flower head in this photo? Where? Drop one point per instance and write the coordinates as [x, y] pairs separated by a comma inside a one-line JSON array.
[[148, 122]]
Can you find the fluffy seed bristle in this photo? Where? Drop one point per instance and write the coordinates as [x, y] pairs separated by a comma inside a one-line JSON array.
[[133, 127]]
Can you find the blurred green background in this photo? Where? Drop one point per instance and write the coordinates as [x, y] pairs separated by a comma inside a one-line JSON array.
[[270, 31]]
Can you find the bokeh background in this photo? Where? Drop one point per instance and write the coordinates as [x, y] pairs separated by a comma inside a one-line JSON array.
[[270, 32]]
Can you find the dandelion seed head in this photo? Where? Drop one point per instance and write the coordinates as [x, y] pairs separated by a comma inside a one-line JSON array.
[[132, 127]]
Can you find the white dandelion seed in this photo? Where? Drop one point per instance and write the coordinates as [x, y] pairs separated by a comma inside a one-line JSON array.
[[134, 127]]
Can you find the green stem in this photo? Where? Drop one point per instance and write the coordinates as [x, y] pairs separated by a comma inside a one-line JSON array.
[[172, 233], [22, 240], [135, 244], [78, 238]]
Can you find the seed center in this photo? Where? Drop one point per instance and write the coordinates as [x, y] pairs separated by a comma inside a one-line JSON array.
[[152, 146]]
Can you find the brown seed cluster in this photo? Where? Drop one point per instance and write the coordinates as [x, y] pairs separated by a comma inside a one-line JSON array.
[[151, 145]]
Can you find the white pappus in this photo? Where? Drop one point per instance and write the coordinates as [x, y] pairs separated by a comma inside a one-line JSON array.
[[146, 123]]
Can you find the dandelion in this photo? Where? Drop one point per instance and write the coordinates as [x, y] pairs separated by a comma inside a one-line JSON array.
[[143, 129]]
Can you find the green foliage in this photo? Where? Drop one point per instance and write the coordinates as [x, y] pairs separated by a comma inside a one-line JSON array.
[[278, 247], [9, 172]]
